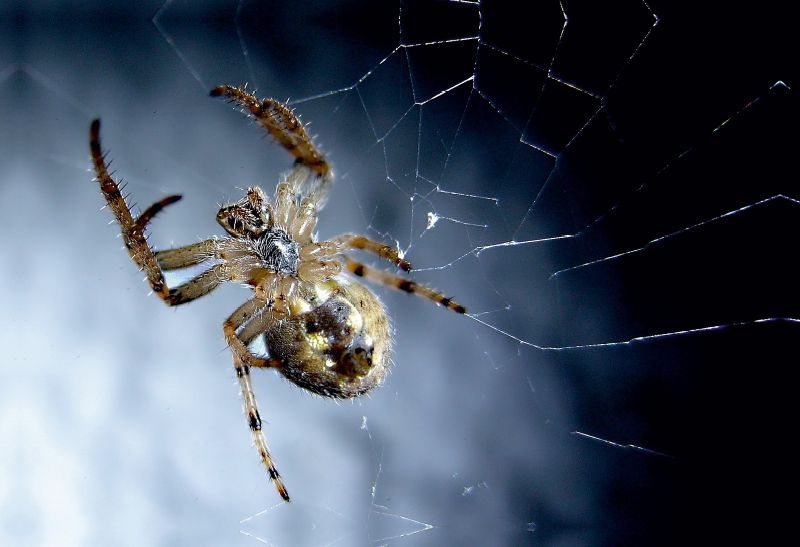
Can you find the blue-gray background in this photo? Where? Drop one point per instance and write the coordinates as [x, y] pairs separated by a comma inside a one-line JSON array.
[[120, 419]]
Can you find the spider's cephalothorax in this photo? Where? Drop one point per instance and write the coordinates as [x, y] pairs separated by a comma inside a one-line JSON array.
[[278, 251], [323, 330]]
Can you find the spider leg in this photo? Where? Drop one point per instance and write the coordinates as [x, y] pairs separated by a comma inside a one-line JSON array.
[[242, 315], [183, 257], [254, 421], [281, 123], [132, 229], [198, 286], [352, 241], [400, 283], [243, 360], [257, 326]]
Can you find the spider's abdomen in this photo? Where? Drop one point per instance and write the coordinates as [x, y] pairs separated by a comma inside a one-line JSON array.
[[338, 349]]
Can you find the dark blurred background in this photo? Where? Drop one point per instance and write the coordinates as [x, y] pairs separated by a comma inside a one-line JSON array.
[[612, 199]]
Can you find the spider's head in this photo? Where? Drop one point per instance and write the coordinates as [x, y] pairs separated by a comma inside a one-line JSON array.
[[249, 217]]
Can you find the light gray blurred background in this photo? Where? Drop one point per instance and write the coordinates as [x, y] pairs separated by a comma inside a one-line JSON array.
[[120, 419]]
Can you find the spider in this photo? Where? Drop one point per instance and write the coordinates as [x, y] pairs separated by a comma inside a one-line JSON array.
[[323, 330]]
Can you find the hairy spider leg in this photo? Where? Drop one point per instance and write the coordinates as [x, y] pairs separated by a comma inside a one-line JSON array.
[[352, 241], [133, 230], [200, 285], [281, 123], [186, 256], [230, 327], [243, 360], [258, 325], [401, 283], [254, 421], [320, 186]]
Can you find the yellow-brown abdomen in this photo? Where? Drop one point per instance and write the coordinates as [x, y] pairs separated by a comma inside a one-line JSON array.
[[338, 349]]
